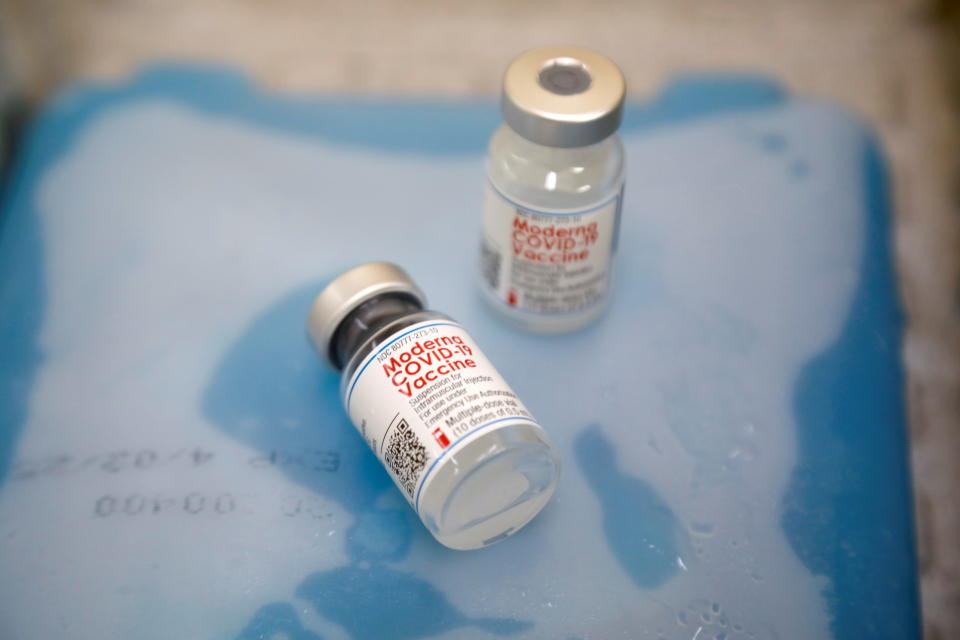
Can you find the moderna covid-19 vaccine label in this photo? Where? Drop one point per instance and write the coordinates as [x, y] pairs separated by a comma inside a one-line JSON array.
[[547, 263], [422, 392]]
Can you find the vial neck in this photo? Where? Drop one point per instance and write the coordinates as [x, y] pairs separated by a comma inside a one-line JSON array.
[[364, 321], [561, 156]]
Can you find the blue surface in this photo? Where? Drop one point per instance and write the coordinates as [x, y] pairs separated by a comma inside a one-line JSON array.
[[644, 538], [860, 533], [846, 510]]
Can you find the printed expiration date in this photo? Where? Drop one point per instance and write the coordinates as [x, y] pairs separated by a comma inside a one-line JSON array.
[[130, 460]]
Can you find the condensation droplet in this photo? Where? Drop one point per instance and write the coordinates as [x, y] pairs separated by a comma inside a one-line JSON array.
[[773, 142], [743, 452], [799, 169]]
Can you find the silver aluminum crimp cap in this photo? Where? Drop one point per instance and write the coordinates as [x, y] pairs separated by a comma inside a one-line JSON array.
[[347, 292], [563, 96]]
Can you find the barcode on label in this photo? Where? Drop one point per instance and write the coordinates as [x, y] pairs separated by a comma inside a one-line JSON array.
[[405, 456]]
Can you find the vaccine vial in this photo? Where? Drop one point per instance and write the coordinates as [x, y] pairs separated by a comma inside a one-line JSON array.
[[555, 174], [464, 450]]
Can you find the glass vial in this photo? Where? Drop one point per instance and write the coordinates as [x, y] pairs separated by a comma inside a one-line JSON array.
[[462, 448], [554, 192]]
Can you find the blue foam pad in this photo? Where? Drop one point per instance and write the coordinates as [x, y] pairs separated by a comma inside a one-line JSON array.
[[177, 463]]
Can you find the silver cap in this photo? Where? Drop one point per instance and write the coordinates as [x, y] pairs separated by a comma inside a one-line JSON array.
[[347, 292], [563, 96]]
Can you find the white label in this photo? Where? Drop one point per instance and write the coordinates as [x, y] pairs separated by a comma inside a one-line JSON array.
[[547, 262], [421, 393]]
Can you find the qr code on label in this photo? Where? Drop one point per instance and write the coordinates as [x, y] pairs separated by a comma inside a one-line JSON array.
[[405, 456], [490, 260]]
